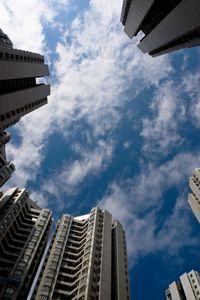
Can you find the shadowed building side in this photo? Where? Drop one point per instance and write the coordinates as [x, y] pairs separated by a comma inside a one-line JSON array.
[[6, 167], [120, 278], [167, 25], [20, 93]]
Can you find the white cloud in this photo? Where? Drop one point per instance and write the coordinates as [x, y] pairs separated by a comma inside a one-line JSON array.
[[139, 202], [161, 132], [190, 84], [65, 182], [39, 199], [23, 21], [96, 66]]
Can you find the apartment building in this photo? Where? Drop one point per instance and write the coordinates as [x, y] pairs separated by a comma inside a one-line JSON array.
[[87, 260], [20, 93], [186, 288], [194, 196], [24, 231], [166, 26], [6, 167]]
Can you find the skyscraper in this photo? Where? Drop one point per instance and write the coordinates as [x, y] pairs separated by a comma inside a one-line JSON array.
[[6, 167], [167, 25], [186, 288], [194, 197], [24, 230], [19, 91], [87, 260]]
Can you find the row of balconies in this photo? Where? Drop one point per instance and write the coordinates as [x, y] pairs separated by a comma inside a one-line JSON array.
[[19, 215], [21, 56]]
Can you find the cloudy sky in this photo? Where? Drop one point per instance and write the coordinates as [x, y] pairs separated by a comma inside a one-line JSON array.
[[121, 130]]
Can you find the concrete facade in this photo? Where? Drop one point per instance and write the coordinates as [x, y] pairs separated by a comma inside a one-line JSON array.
[[186, 288], [24, 231], [20, 93], [194, 197], [83, 259], [167, 26], [6, 167]]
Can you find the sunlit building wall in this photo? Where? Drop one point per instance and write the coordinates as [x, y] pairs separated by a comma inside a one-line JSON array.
[[194, 197], [186, 288], [87, 260]]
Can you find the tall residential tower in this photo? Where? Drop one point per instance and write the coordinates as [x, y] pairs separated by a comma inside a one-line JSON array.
[[194, 197], [6, 167], [20, 93], [87, 260], [24, 231], [166, 25], [186, 288]]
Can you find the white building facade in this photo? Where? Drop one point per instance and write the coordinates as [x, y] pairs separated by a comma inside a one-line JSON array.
[[186, 288], [87, 260]]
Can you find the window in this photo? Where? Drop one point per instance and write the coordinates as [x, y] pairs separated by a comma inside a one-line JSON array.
[[83, 280], [26, 258], [18, 272], [22, 264], [85, 271], [82, 289], [43, 297], [46, 288], [10, 290]]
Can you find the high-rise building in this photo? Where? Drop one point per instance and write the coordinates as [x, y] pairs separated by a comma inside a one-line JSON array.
[[6, 167], [86, 260], [19, 92], [167, 25], [24, 231], [194, 197], [186, 288], [4, 40]]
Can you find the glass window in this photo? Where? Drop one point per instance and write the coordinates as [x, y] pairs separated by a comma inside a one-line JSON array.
[[18, 272], [10, 290], [82, 289]]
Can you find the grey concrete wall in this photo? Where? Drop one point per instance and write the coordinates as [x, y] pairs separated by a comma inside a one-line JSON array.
[[184, 18], [14, 70], [137, 12], [120, 277], [14, 100], [105, 281]]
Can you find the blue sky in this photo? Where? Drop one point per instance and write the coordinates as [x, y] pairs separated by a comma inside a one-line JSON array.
[[121, 130]]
